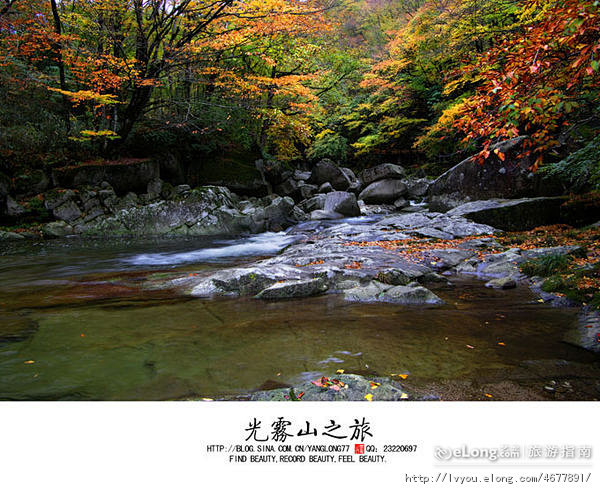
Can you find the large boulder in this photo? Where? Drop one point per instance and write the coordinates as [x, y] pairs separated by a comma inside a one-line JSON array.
[[198, 212], [382, 172], [327, 171], [383, 192], [513, 214], [69, 211], [506, 177], [342, 202], [287, 188], [278, 215]]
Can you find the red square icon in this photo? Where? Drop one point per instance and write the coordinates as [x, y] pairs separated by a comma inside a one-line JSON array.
[[359, 449]]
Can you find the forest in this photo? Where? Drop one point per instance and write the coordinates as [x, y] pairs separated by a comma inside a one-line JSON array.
[[420, 83]]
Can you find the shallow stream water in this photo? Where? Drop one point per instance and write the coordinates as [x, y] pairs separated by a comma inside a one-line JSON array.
[[77, 322]]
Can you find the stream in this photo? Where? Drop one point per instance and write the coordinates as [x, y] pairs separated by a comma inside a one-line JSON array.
[[77, 323]]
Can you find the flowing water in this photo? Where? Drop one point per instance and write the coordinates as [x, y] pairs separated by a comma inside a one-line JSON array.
[[78, 322]]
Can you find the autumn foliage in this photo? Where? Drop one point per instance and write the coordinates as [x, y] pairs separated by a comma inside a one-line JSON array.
[[539, 83]]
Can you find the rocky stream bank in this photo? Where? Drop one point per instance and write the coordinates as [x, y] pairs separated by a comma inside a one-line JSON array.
[[371, 238]]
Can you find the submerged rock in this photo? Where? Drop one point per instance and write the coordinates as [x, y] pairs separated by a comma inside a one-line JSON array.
[[502, 283], [358, 388]]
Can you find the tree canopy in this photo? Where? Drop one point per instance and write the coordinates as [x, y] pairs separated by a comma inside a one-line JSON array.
[[420, 82]]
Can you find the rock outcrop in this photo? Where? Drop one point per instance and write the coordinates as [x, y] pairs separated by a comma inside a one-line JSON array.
[[508, 178], [514, 214]]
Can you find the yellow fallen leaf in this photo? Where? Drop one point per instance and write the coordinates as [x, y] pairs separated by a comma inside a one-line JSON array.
[[403, 376], [29, 362], [369, 397], [489, 396], [502, 343], [404, 396], [340, 371], [540, 300], [207, 399]]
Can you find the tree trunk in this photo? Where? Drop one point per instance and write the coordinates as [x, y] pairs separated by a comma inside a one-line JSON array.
[[61, 66]]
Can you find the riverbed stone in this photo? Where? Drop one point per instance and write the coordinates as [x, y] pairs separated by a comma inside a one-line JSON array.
[[413, 296], [325, 188], [371, 292], [322, 215], [10, 236], [502, 283], [246, 281], [69, 211], [359, 388], [57, 229], [15, 328], [343, 203], [306, 191], [290, 289], [314, 203]]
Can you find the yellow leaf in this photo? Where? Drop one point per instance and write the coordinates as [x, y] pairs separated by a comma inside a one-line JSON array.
[[489, 396], [340, 371], [208, 399], [404, 396], [369, 397], [29, 362]]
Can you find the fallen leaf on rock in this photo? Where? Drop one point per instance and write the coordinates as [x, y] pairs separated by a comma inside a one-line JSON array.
[[404, 396], [369, 397], [489, 396], [340, 371], [502, 343]]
